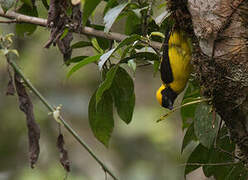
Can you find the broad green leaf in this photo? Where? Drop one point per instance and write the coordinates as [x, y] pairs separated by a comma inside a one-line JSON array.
[[199, 155], [188, 112], [111, 16], [84, 62], [89, 7], [7, 4], [205, 129], [218, 156], [133, 24], [188, 137], [101, 117], [24, 28], [126, 41], [106, 84], [81, 44], [122, 90]]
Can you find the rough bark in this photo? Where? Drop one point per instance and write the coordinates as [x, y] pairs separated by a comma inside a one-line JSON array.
[[221, 61]]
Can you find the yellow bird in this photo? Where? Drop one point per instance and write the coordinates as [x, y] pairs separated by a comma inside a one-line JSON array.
[[175, 67]]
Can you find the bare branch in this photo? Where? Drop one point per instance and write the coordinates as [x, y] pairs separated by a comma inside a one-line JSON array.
[[20, 18]]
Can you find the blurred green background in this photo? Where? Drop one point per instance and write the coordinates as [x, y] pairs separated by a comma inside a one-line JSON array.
[[142, 150]]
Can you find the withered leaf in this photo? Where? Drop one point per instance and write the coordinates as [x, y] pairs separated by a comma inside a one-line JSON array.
[[64, 160], [26, 106]]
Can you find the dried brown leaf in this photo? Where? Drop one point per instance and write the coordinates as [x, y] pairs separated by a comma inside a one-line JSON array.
[[64, 160], [26, 106]]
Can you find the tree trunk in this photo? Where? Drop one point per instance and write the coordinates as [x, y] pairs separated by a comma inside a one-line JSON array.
[[221, 61]]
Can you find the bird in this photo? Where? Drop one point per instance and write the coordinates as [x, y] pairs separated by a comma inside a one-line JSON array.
[[175, 67]]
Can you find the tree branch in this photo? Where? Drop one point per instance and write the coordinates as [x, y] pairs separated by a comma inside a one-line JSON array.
[[20, 18]]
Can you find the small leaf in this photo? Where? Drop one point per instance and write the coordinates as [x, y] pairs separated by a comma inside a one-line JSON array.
[[158, 34], [81, 44], [89, 7], [66, 30], [76, 59], [106, 84], [84, 62], [112, 14], [95, 44], [7, 4], [24, 28], [101, 117], [126, 41], [203, 125], [162, 17], [188, 137], [122, 90]]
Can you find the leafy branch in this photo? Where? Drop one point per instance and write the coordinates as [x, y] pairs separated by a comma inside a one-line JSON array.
[[20, 18]]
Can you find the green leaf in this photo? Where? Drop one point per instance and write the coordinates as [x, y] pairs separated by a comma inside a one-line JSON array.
[[122, 90], [188, 137], [76, 59], [204, 128], [25, 28], [156, 33], [106, 84], [101, 117], [112, 14], [81, 44], [155, 67], [66, 30], [84, 62], [162, 17], [188, 112], [199, 155], [133, 24], [45, 4], [7, 4], [96, 45], [220, 156], [126, 41], [28, 2], [89, 7], [237, 172], [109, 5]]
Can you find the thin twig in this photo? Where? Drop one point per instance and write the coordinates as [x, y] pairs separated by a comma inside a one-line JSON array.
[[20, 18], [210, 164], [180, 106], [8, 21], [66, 125]]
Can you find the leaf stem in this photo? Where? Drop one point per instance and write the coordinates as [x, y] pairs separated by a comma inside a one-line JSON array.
[[66, 125], [180, 106]]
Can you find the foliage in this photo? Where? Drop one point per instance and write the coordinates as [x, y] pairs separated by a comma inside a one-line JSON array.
[[114, 60]]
